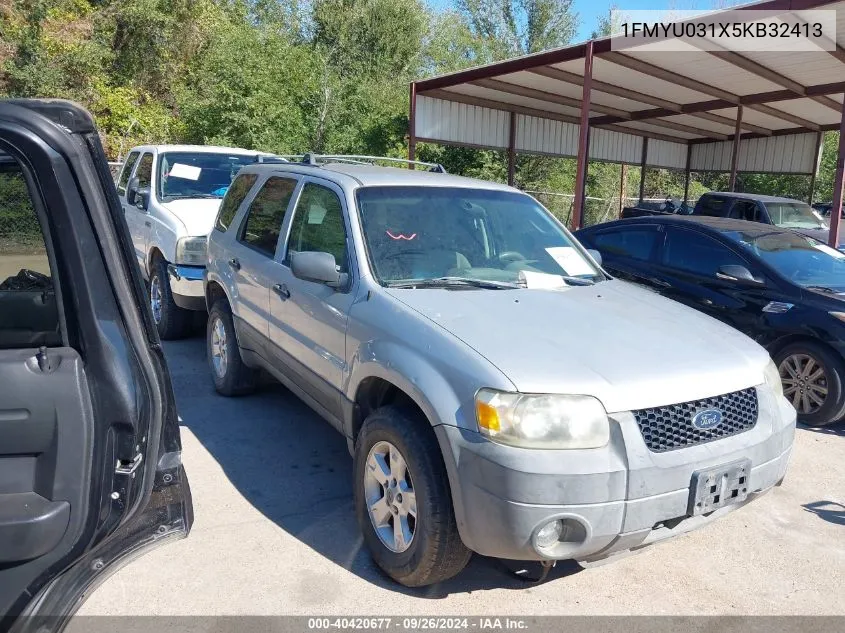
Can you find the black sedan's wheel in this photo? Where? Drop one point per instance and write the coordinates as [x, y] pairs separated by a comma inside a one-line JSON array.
[[812, 379], [403, 500]]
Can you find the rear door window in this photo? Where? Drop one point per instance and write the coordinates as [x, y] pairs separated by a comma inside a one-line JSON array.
[[636, 243], [263, 222]]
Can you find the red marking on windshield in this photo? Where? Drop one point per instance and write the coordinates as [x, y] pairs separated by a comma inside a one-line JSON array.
[[401, 236]]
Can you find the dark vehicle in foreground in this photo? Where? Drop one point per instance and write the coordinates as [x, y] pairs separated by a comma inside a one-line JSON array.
[[90, 469], [783, 289], [784, 213]]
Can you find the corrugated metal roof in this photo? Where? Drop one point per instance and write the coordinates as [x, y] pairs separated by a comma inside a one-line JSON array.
[[688, 97]]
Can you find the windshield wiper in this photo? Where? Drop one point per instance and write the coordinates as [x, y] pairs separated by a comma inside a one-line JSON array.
[[822, 289], [454, 282], [188, 196]]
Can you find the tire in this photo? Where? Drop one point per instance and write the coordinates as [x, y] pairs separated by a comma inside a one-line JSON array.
[[230, 375], [171, 321], [435, 551], [795, 359]]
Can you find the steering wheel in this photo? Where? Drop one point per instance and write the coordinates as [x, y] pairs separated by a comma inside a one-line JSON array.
[[509, 257]]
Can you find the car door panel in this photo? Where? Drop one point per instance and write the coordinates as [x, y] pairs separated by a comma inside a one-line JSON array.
[[89, 440], [309, 319]]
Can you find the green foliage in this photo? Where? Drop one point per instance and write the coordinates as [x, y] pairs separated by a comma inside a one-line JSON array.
[[292, 76]]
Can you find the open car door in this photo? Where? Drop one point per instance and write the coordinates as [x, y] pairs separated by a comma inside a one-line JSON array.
[[90, 456]]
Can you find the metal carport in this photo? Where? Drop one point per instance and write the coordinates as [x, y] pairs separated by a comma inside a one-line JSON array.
[[695, 110]]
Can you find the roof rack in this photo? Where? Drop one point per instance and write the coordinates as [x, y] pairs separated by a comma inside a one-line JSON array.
[[316, 160]]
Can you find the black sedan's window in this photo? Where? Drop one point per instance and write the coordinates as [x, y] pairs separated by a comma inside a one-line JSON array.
[[636, 243], [697, 253]]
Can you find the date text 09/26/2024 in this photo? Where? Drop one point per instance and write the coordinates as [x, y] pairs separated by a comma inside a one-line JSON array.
[[417, 623]]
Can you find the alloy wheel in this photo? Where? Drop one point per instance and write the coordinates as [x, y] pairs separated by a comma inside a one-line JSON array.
[[804, 382], [391, 499], [219, 356], [156, 298]]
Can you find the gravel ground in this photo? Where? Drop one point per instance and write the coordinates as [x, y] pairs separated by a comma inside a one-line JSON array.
[[275, 534]]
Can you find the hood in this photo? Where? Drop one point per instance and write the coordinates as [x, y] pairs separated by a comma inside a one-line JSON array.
[[197, 214], [629, 347]]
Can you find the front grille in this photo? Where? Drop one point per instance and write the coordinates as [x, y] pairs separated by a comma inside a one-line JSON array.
[[670, 427]]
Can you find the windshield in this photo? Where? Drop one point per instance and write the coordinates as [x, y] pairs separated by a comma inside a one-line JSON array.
[[794, 215], [803, 260], [197, 174], [427, 233]]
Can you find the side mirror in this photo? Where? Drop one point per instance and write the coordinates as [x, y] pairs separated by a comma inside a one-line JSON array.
[[131, 190], [317, 267], [739, 274], [595, 255], [142, 198]]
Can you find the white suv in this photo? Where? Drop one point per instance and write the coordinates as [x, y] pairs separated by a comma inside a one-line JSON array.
[[170, 196]]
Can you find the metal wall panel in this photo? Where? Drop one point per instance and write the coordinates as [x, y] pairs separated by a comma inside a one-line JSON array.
[[789, 154], [615, 146], [453, 122], [545, 136], [666, 154]]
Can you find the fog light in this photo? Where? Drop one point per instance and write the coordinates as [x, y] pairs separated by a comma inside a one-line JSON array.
[[549, 534]]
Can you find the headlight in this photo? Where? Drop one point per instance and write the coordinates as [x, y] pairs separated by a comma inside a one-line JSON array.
[[192, 251], [772, 376], [542, 421]]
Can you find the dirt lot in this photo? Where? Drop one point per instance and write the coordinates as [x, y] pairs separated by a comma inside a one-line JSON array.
[[275, 534]]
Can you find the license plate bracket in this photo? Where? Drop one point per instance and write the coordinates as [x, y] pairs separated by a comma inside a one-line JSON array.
[[714, 488]]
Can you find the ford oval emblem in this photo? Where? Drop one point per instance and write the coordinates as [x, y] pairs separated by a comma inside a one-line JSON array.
[[707, 419]]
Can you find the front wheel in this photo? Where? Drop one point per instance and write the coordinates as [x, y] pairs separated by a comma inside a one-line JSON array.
[[231, 376], [403, 501], [813, 381], [171, 321]]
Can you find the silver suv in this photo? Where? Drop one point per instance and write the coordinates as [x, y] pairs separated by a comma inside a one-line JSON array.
[[499, 392]]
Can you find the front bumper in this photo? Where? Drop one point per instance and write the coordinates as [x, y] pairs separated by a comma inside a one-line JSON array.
[[186, 286], [612, 499]]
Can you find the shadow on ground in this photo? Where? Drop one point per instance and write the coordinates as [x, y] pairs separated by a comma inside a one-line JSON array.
[[296, 470], [830, 511], [830, 429]]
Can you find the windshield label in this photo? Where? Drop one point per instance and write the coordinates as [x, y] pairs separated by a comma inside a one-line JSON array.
[[570, 260], [188, 172]]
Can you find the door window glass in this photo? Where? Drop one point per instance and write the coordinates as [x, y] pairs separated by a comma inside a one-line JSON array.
[[145, 171], [318, 224], [234, 197], [127, 171], [28, 313], [697, 253], [263, 221], [634, 243]]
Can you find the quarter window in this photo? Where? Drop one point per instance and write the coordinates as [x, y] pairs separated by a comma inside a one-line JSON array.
[[266, 215], [127, 171], [633, 243], [318, 224], [697, 253], [232, 201]]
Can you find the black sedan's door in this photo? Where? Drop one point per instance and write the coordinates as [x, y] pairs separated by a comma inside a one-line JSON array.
[[688, 270], [90, 467]]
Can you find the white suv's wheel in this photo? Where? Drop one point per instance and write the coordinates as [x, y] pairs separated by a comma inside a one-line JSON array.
[[403, 501], [230, 375], [171, 321]]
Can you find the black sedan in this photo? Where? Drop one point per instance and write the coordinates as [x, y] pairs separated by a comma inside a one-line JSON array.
[[783, 289]]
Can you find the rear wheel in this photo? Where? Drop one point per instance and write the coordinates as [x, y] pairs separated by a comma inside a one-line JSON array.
[[231, 376], [812, 377], [403, 501], [172, 322]]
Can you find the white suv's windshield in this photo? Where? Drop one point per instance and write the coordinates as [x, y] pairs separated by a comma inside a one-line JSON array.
[[474, 235], [794, 215], [197, 174]]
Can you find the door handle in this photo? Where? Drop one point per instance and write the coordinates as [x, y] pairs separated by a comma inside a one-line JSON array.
[[235, 263], [148, 223], [282, 291]]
